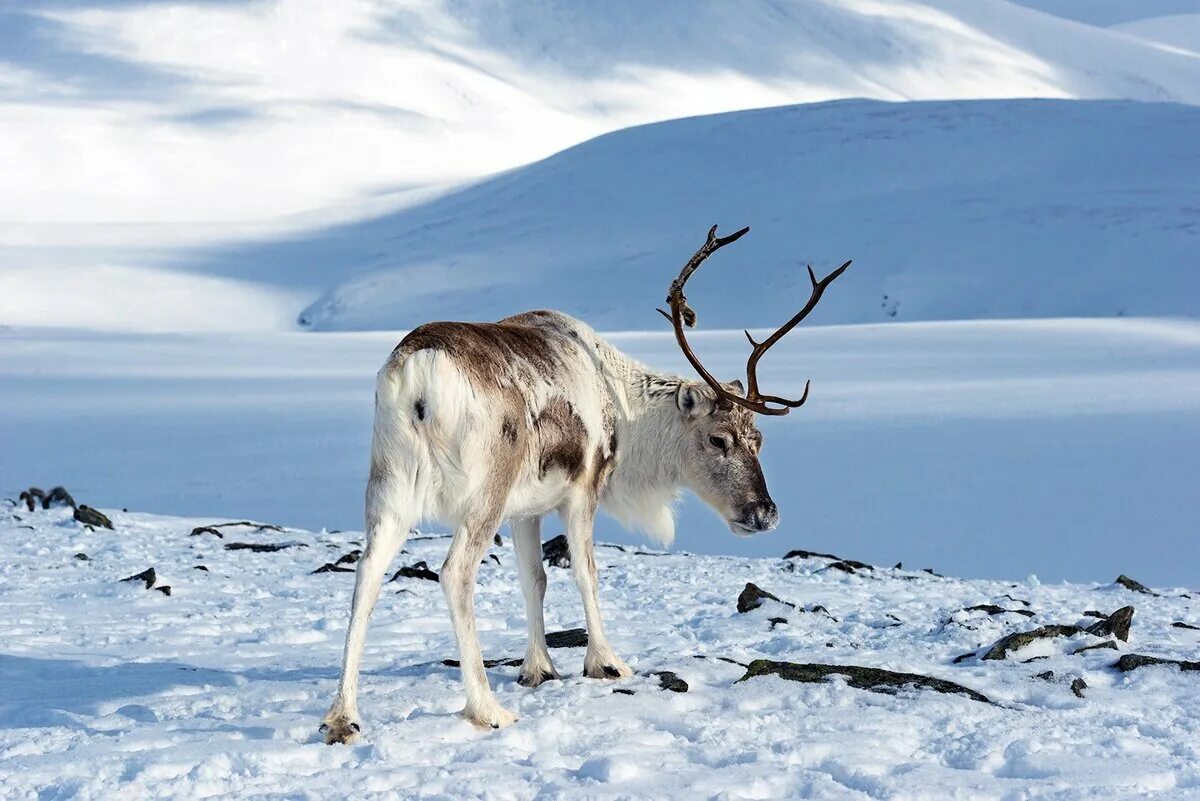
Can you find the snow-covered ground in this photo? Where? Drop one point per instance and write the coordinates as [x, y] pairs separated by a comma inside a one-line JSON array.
[[115, 690], [1062, 448]]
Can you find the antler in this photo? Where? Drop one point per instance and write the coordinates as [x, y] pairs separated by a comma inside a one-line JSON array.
[[682, 314]]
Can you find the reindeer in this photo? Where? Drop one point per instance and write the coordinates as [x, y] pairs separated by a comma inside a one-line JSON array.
[[479, 423]]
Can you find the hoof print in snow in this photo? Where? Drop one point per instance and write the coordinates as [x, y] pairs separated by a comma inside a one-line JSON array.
[[753, 596], [148, 576], [330, 567], [1013, 642], [1181, 625], [571, 638], [165, 589], [418, 571], [1117, 624], [1134, 586], [90, 517], [667, 680], [1078, 686], [862, 678], [556, 553], [1134, 661], [83, 557], [1107, 644], [263, 547]]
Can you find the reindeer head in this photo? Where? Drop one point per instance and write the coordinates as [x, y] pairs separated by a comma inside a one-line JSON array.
[[722, 441]]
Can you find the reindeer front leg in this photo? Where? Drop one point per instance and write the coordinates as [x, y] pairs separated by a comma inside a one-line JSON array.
[[599, 662], [527, 538]]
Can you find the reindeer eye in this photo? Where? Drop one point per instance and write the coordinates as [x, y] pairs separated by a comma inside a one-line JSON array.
[[719, 442]]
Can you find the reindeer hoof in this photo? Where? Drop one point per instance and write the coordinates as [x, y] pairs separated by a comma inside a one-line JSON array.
[[495, 718], [534, 679], [611, 668], [340, 730]]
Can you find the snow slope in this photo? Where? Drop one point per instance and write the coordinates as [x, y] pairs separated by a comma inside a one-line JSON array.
[[950, 210], [1065, 448], [134, 131], [114, 690]]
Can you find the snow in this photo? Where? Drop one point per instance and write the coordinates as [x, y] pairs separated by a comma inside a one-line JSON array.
[[1064, 448], [1174, 31], [217, 690]]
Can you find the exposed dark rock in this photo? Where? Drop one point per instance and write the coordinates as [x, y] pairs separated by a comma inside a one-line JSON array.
[[1095, 613], [753, 596], [843, 566], [556, 552], [496, 540], [418, 571], [1134, 661], [1135, 586], [32, 497], [1116, 624], [350, 558], [212, 527], [623, 691], [1033, 659], [993, 609], [1016, 600], [198, 530], [720, 659], [899, 566], [1078, 686], [200, 567], [147, 576], [487, 663], [1013, 642], [1111, 644], [571, 638], [669, 681], [930, 571], [1045, 675], [863, 678], [330, 567], [801, 554], [263, 547], [775, 621], [90, 517], [83, 557], [1181, 625], [962, 657], [164, 589], [58, 495], [493, 557]]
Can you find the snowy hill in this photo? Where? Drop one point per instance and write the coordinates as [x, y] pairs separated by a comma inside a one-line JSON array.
[[117, 689], [950, 210]]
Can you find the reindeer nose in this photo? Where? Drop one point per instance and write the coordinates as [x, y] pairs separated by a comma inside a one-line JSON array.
[[762, 516]]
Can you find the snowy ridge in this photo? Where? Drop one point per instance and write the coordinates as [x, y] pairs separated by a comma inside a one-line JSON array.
[[217, 689], [951, 210]]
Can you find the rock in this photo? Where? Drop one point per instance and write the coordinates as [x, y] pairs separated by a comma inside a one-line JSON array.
[[1019, 640], [487, 663], [993, 609], [1134, 661], [1033, 659], [1078, 686], [899, 566], [1111, 644], [165, 590], [418, 571], [753, 596], [1095, 613], [496, 540], [212, 528], [1045, 675], [556, 552], [669, 681], [1181, 625], [83, 557], [863, 678], [148, 576], [776, 621], [330, 567], [493, 557], [32, 497], [58, 495], [263, 547], [800, 554], [1116, 624], [1016, 600], [1134, 586], [350, 558], [622, 691], [200, 567], [198, 530], [929, 570], [90, 517], [571, 638], [962, 657]]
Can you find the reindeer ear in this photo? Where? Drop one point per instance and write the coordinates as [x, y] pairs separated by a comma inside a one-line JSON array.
[[736, 386], [692, 401]]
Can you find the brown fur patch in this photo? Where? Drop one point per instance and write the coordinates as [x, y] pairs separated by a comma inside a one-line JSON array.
[[492, 354], [561, 438]]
